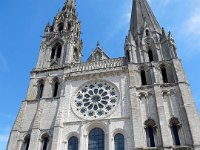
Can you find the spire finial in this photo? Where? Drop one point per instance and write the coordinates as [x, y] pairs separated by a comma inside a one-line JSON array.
[[98, 44]]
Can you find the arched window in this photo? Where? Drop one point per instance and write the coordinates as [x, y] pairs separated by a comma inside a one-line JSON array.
[[56, 51], [26, 142], [164, 74], [40, 88], [60, 27], [73, 143], [175, 127], [45, 142], [119, 142], [55, 90], [150, 132], [150, 54], [96, 139], [143, 77]]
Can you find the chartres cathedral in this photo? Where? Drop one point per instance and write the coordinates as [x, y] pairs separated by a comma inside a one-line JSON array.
[[141, 101]]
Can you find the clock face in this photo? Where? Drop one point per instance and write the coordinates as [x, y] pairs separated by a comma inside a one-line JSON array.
[[95, 100]]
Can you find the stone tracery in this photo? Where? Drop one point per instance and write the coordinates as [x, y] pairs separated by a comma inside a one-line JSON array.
[[95, 99]]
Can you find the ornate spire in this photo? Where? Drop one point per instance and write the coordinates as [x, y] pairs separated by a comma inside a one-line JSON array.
[[142, 16], [71, 3]]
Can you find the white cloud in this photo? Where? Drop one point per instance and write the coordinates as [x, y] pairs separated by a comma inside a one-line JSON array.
[[122, 22], [3, 138], [192, 24]]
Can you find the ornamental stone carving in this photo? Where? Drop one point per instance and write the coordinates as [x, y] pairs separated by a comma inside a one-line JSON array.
[[95, 100]]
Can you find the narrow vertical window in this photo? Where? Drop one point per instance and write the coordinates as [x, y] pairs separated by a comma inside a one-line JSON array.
[[150, 126], [45, 141], [143, 77], [73, 143], [40, 89], [150, 54], [147, 32], [175, 127], [59, 48], [119, 142], [128, 56], [164, 74], [53, 52], [175, 135], [26, 142], [55, 92], [150, 137]]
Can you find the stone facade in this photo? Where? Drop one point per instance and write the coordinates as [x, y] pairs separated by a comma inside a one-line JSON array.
[[145, 90]]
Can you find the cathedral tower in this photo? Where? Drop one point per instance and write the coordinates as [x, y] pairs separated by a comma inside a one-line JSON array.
[[137, 102]]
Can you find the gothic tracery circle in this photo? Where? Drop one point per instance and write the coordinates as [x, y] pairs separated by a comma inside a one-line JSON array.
[[95, 100]]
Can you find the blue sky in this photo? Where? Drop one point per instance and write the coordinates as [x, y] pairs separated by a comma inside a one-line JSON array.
[[107, 21]]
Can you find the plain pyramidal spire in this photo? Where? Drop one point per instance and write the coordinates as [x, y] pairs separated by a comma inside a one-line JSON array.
[[142, 16]]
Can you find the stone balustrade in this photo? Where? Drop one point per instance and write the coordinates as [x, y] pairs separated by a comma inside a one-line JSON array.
[[104, 64]]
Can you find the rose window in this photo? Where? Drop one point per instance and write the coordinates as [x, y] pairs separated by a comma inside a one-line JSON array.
[[95, 100]]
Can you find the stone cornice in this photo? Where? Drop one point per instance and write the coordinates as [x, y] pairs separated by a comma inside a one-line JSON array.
[[100, 120]]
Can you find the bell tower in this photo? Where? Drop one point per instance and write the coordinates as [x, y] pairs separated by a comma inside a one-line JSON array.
[[154, 64], [61, 44]]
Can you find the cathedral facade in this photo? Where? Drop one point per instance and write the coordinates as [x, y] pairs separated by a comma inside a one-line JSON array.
[[140, 101]]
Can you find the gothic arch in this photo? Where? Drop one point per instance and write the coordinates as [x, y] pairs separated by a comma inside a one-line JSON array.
[[100, 125], [60, 26], [40, 88], [151, 132], [119, 130], [55, 87], [150, 122], [72, 134], [175, 130], [44, 134], [174, 121], [55, 40]]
